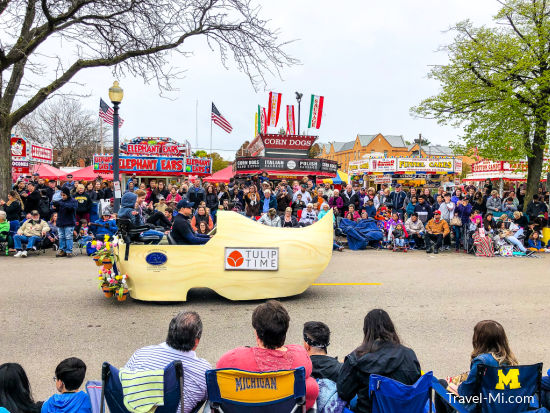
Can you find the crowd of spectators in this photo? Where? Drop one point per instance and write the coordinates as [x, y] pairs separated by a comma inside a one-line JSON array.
[[346, 383], [467, 218]]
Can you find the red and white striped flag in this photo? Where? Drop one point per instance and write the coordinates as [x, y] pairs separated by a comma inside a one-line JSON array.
[[290, 120], [106, 113], [219, 120], [316, 111], [273, 109]]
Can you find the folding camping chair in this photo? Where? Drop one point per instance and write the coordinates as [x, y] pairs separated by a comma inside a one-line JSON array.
[[503, 389], [111, 389], [389, 396], [239, 391]]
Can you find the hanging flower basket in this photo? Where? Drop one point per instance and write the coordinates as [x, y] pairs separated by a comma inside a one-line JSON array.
[[107, 291], [122, 294]]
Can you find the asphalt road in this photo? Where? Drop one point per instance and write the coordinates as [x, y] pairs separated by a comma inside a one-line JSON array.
[[52, 309]]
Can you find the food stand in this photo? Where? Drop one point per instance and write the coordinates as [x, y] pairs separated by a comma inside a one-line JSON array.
[[154, 158], [506, 173], [27, 155], [407, 171], [283, 157]]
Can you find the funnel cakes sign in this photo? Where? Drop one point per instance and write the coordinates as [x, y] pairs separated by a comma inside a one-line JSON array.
[[251, 259]]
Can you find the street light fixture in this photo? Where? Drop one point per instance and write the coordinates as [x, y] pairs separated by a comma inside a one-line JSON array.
[[116, 94], [299, 99]]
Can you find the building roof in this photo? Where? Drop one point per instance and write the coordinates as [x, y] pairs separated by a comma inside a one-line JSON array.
[[438, 150], [396, 141], [325, 146], [366, 139], [338, 146]]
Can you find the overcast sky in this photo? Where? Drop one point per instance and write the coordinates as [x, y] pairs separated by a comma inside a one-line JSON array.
[[369, 59]]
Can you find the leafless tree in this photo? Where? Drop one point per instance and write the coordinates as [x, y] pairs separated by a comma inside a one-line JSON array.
[[46, 43], [67, 127]]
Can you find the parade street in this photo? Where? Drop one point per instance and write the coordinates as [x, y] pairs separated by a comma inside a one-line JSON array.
[[52, 309]]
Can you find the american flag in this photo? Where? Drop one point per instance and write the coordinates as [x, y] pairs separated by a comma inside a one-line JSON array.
[[106, 113], [219, 120]]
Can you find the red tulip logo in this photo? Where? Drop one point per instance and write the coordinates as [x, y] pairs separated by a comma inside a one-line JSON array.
[[235, 259]]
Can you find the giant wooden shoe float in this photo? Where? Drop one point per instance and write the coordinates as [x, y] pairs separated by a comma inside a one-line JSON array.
[[244, 260]]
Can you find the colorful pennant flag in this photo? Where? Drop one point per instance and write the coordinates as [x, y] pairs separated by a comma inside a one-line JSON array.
[[256, 124], [264, 122], [290, 120], [273, 109], [315, 111]]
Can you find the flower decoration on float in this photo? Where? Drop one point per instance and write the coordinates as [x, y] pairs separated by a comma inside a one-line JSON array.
[[111, 282]]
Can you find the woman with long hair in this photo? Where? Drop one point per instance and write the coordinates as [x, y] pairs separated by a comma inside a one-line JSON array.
[[13, 207], [15, 390], [491, 348], [252, 202], [381, 352], [212, 201]]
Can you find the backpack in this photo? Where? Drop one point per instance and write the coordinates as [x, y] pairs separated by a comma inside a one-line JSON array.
[[328, 400]]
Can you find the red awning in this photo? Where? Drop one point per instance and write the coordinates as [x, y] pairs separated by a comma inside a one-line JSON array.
[[47, 171], [222, 175], [88, 174]]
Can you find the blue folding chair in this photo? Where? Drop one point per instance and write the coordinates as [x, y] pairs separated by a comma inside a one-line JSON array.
[[111, 389], [503, 389], [390, 396], [240, 391]]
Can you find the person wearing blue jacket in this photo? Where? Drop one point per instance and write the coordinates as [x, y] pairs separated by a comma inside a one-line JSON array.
[[129, 210], [69, 376], [104, 226], [490, 348], [182, 233], [66, 219], [267, 201]]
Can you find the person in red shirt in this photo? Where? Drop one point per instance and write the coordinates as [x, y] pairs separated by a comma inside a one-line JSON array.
[[270, 320]]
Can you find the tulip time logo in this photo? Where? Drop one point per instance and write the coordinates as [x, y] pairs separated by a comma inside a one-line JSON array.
[[235, 259], [251, 259]]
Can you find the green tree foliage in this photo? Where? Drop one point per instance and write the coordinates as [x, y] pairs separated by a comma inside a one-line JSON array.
[[496, 86], [218, 163]]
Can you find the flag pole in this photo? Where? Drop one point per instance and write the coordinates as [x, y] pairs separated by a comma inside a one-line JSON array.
[[197, 124], [101, 134], [210, 136]]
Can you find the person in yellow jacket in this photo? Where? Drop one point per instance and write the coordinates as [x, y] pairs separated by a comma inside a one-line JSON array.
[[436, 230]]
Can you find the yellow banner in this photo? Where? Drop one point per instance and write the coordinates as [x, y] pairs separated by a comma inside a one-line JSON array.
[[246, 387]]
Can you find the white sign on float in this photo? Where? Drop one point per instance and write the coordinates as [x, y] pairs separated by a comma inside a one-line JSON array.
[[251, 259]]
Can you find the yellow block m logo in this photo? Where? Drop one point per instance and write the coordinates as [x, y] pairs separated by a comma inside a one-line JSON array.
[[510, 380]]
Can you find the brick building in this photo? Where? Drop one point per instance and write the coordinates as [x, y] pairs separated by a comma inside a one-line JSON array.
[[386, 145]]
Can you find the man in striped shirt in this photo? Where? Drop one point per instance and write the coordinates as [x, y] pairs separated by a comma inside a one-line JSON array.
[[184, 334]]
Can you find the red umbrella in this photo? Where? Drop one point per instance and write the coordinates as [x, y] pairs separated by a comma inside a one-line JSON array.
[[222, 175], [88, 174], [48, 172]]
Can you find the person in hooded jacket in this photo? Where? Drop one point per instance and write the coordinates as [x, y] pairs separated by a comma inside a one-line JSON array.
[[69, 376], [380, 353], [130, 210], [66, 219]]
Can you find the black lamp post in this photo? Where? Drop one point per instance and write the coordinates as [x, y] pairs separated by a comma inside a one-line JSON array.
[[116, 94], [299, 99]]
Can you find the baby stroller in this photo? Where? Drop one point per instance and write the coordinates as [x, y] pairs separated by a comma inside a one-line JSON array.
[[396, 244]]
